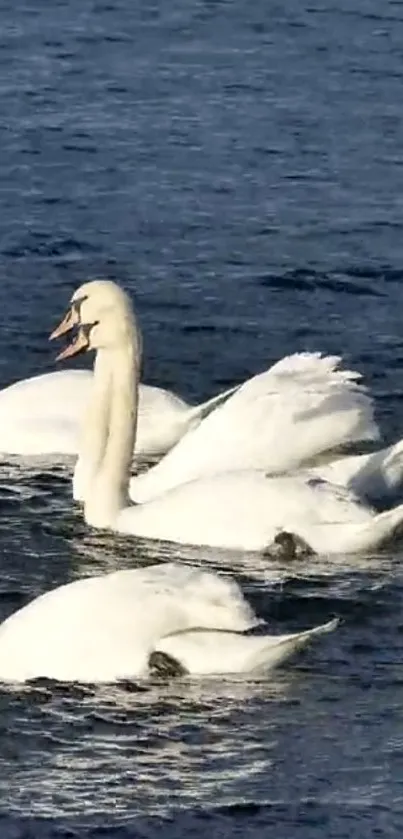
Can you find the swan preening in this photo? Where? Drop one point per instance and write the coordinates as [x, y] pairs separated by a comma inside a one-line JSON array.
[[216, 487], [124, 624]]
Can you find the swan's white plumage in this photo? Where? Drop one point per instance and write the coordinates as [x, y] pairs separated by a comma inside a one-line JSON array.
[[42, 415], [375, 476], [202, 652], [246, 510], [243, 509], [277, 421], [103, 629]]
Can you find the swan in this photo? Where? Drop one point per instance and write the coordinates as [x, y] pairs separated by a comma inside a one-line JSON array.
[[301, 407], [278, 421], [240, 510], [42, 415], [170, 618]]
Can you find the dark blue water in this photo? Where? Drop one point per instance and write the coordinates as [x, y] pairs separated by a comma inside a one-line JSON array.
[[239, 167]]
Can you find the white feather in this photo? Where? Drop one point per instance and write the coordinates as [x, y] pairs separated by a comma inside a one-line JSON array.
[[102, 629], [211, 652], [42, 415], [277, 421]]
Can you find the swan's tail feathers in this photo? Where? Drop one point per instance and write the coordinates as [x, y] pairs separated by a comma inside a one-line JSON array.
[[377, 533], [199, 412], [281, 648], [217, 652]]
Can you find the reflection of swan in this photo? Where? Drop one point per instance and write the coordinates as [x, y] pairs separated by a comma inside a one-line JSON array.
[[42, 415], [242, 510], [169, 617]]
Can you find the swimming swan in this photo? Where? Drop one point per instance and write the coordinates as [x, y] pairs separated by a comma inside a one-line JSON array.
[[169, 618], [42, 415], [240, 510], [277, 421]]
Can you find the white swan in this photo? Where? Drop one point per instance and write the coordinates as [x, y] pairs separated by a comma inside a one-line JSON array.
[[277, 421], [117, 626], [242, 510], [42, 415]]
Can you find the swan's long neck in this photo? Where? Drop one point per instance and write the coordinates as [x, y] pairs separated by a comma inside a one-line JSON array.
[[108, 487], [94, 429]]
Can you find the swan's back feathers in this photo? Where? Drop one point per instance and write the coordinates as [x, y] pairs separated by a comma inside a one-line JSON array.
[[278, 420]]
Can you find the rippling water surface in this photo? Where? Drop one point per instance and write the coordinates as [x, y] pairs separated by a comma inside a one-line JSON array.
[[239, 167]]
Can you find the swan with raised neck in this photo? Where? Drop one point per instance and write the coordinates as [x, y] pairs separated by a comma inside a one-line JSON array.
[[243, 510]]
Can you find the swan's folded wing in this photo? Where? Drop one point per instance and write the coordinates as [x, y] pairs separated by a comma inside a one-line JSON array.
[[277, 421], [211, 652]]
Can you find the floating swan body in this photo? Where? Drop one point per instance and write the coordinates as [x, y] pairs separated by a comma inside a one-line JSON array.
[[42, 415], [247, 510], [104, 629], [241, 510]]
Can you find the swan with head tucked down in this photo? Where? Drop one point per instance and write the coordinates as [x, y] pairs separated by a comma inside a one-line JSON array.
[[242, 510], [170, 618], [42, 415]]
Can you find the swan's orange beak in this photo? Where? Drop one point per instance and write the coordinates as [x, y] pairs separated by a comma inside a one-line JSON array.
[[70, 319], [79, 344]]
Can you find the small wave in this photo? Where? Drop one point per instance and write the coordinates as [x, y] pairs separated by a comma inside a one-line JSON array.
[[40, 245], [345, 282]]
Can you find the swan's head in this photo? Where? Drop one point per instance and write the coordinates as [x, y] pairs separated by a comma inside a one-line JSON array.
[[104, 315]]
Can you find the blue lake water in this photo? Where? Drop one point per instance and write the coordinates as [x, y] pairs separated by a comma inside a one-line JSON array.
[[239, 168]]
